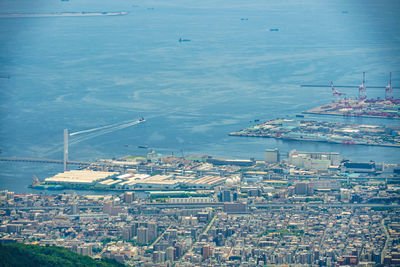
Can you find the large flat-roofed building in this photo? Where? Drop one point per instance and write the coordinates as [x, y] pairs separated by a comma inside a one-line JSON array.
[[206, 182], [333, 157], [235, 207], [235, 162], [367, 167], [158, 182], [190, 200], [320, 161], [87, 177]]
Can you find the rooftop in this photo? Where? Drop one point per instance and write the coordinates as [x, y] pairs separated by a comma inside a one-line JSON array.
[[80, 176]]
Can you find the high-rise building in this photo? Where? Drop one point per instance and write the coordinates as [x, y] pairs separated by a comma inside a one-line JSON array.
[[114, 211], [159, 256], [127, 233], [303, 188], [152, 230], [107, 205], [129, 197], [74, 208], [142, 235], [272, 155], [226, 196], [206, 252], [85, 250], [178, 250], [170, 254]]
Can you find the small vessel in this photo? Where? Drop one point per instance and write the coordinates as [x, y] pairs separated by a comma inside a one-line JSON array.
[[273, 30], [141, 119], [143, 147], [299, 116], [183, 40]]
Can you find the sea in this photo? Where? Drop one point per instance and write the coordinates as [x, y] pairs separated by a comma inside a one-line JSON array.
[[240, 61]]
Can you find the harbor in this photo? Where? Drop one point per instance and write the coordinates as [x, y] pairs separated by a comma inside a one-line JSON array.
[[322, 131], [361, 106], [369, 108], [202, 173]]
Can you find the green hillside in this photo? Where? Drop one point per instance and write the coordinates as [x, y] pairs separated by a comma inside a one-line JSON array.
[[17, 254]]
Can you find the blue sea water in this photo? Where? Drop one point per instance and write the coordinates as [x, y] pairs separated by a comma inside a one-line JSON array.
[[85, 72]]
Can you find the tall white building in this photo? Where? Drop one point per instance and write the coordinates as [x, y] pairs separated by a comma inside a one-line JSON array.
[[319, 161]]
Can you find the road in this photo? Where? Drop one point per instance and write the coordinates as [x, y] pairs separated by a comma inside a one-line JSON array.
[[215, 205], [202, 233]]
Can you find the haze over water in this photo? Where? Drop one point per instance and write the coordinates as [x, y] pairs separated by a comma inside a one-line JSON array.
[[85, 72]]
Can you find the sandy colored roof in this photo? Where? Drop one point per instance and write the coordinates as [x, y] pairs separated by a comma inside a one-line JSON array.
[[80, 176]]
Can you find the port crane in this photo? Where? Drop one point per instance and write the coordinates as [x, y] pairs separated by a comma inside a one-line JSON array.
[[362, 89], [389, 89], [336, 92], [93, 132]]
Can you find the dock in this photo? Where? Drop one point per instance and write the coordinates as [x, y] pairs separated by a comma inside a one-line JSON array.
[[321, 131], [368, 108]]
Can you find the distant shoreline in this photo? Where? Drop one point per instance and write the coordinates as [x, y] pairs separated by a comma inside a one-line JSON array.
[[61, 14]]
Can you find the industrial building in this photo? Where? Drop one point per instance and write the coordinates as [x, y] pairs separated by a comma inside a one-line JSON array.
[[358, 167], [131, 181], [320, 161], [235, 162], [83, 177]]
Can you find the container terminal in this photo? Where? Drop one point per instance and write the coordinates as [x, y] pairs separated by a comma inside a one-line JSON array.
[[321, 131], [371, 108], [360, 106]]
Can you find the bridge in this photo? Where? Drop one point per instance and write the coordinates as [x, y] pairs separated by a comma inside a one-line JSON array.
[[43, 160], [59, 161], [112, 164]]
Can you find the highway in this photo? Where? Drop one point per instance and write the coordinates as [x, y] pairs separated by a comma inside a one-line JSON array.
[[214, 205]]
